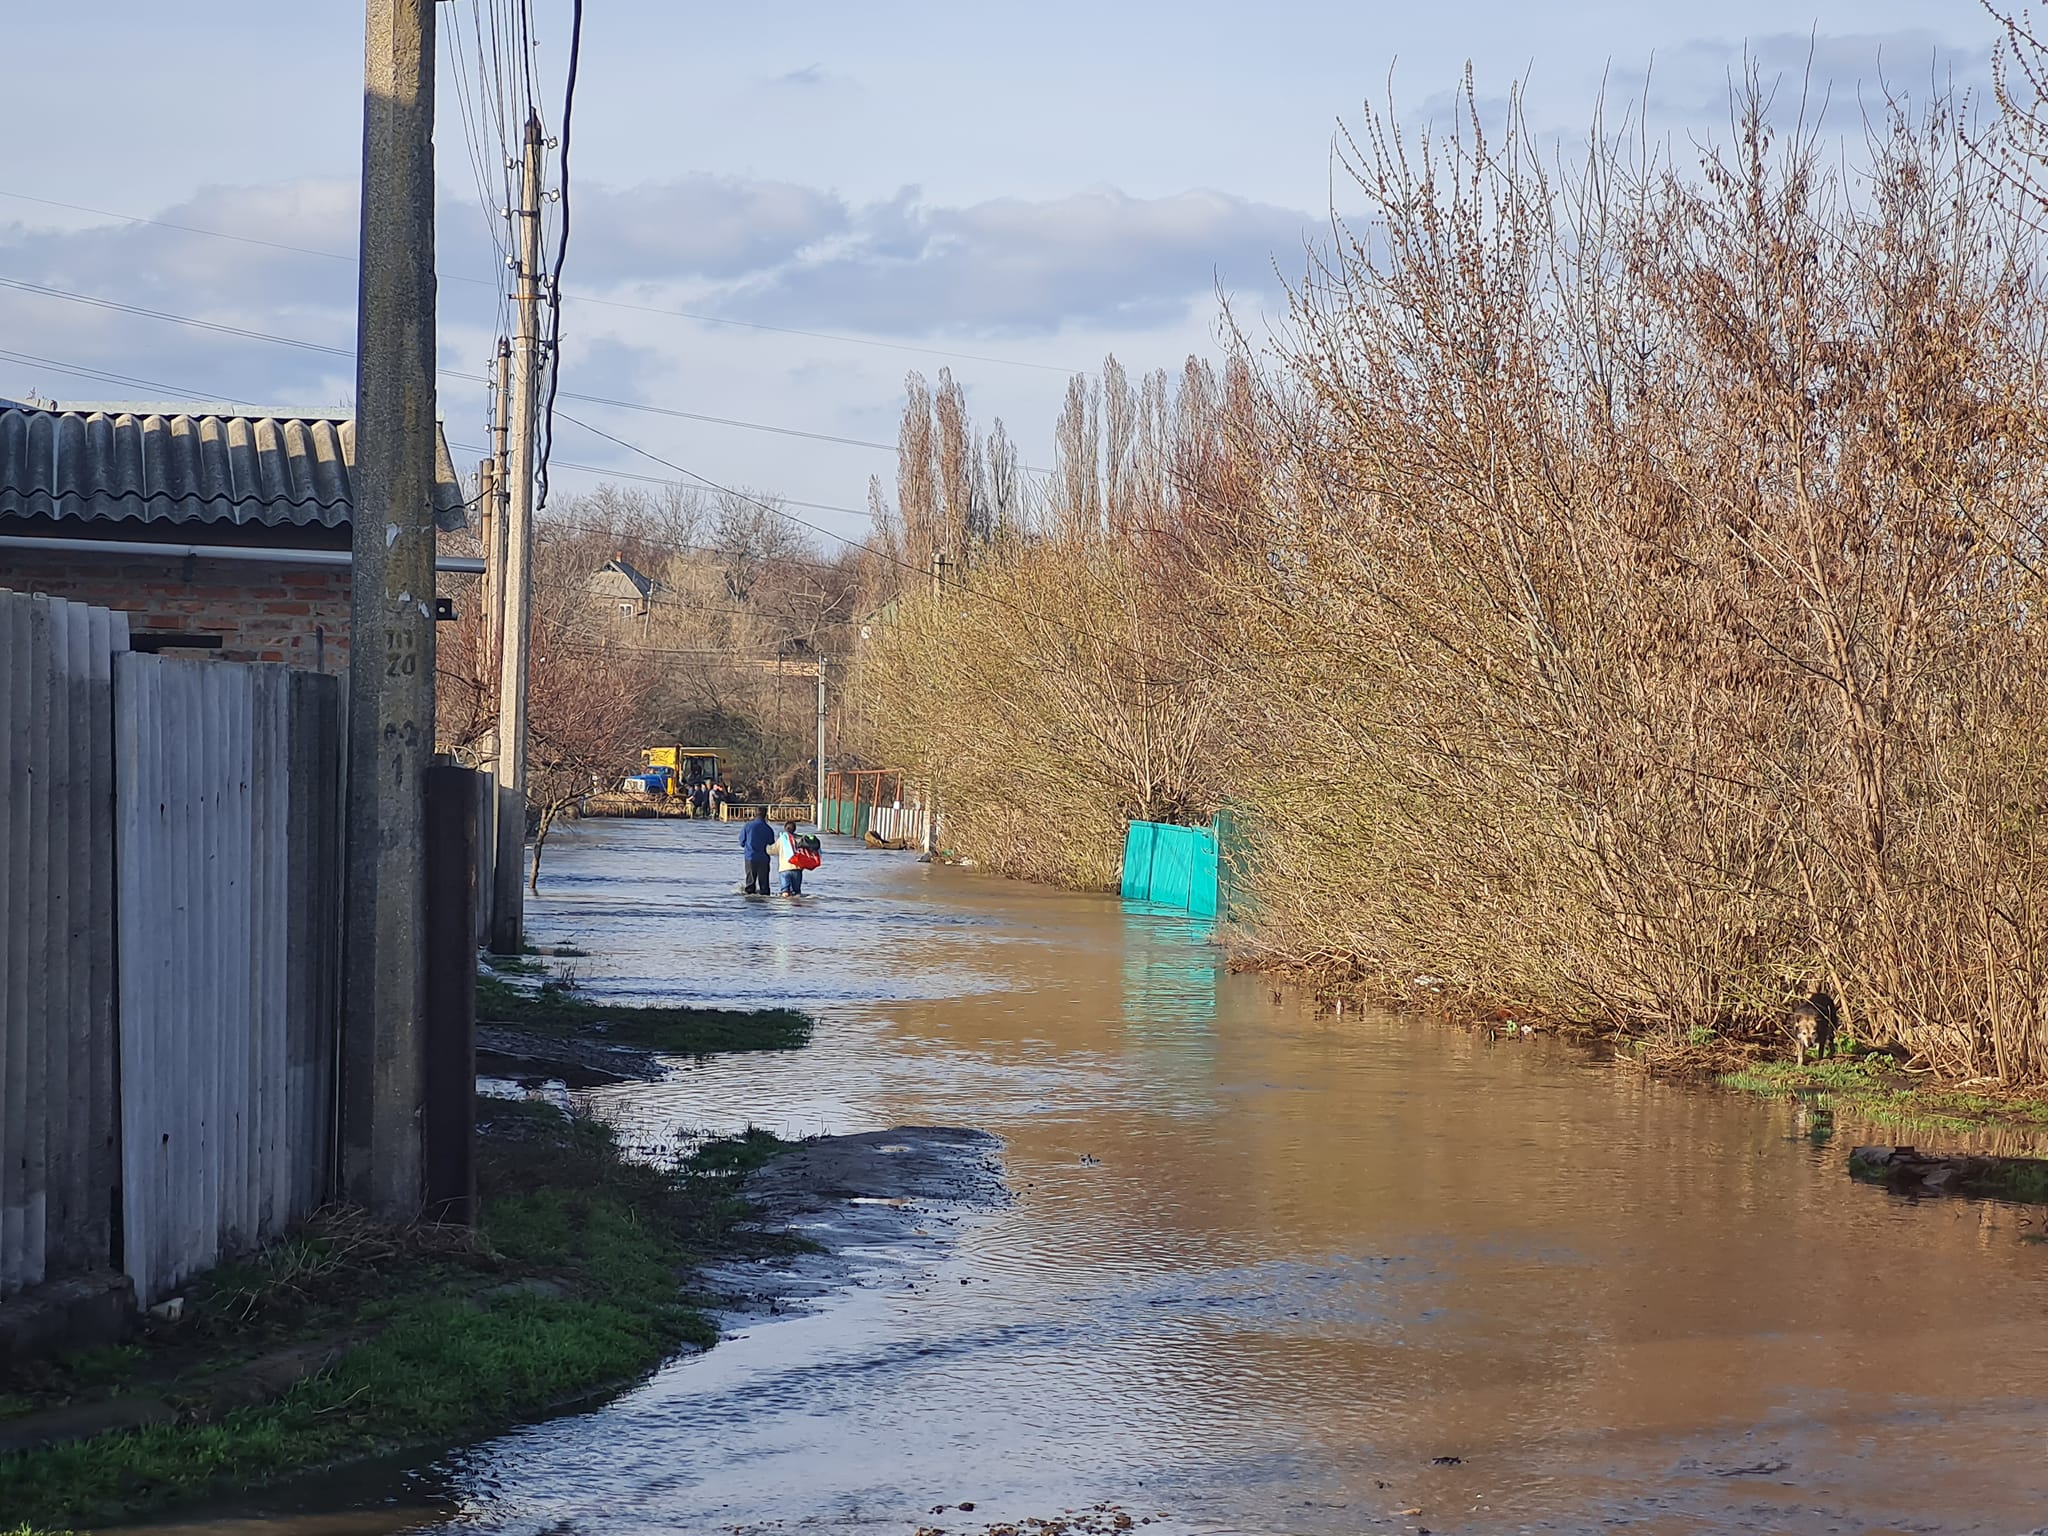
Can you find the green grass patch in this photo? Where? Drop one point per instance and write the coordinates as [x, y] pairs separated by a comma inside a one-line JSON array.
[[674, 1031], [1870, 1087], [2017, 1180], [571, 1284]]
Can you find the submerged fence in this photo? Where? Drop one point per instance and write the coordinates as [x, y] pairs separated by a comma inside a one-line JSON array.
[[1173, 866], [176, 825], [870, 800]]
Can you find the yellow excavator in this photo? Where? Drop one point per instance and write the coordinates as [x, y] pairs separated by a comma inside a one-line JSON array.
[[672, 770]]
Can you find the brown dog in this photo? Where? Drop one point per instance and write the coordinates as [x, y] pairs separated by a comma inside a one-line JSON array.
[[1813, 1026]]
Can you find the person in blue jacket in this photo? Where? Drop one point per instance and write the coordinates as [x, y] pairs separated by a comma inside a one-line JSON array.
[[757, 838]]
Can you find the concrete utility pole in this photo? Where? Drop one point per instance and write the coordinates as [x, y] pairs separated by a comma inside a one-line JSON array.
[[508, 904], [391, 648], [491, 485], [494, 567], [931, 811], [494, 509], [821, 740]]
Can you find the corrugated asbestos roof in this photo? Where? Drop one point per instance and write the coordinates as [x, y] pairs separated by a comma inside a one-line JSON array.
[[190, 464]]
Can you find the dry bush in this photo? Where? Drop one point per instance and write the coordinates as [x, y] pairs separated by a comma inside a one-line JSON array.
[[1043, 704], [1617, 598], [1643, 619], [1047, 685]]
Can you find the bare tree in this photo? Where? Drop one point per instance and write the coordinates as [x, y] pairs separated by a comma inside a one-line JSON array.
[[917, 493], [955, 466], [1076, 501]]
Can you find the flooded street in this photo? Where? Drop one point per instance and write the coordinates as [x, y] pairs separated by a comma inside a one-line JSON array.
[[1264, 1271]]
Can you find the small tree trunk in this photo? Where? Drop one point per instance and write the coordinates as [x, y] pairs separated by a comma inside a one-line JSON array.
[[540, 841]]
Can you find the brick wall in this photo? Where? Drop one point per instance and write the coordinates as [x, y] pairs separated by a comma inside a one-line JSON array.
[[297, 614]]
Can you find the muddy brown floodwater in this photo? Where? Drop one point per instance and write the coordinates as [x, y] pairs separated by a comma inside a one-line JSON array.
[[1263, 1272]]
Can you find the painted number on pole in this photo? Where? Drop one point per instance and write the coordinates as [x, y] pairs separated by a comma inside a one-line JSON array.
[[401, 648]]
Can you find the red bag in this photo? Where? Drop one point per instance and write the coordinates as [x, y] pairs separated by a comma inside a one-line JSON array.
[[803, 858]]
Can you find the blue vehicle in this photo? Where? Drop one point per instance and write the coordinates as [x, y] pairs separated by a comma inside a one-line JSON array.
[[655, 781]]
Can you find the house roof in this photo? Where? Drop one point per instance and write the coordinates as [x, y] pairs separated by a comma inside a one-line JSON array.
[[640, 582], [190, 462]]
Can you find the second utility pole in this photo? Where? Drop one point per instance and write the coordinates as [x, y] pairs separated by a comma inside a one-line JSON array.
[[494, 512], [508, 905], [821, 742]]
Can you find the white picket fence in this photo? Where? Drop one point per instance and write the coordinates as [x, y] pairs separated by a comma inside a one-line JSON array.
[[197, 807], [898, 823]]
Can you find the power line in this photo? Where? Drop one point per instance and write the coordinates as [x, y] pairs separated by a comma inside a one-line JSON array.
[[159, 314], [609, 472], [703, 480], [246, 334], [110, 378], [728, 421], [472, 141], [581, 298], [606, 471], [708, 483], [561, 252], [883, 555]]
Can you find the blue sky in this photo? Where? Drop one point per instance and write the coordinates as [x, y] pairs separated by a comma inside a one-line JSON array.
[[1030, 185]]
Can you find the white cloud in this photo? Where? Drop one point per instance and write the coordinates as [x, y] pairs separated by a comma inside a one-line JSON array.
[[1016, 266], [696, 227]]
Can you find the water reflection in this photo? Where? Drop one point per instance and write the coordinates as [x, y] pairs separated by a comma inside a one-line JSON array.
[[1266, 1268]]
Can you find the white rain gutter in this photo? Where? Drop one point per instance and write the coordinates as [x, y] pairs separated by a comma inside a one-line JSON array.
[[447, 565]]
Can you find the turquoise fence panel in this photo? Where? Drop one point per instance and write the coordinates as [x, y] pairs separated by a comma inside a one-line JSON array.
[[863, 818], [1138, 844], [1204, 896], [1173, 866]]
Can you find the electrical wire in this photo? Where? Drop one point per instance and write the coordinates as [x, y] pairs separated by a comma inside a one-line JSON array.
[[547, 441], [729, 421], [603, 471], [104, 376], [609, 472], [247, 334], [159, 314], [472, 142], [707, 482], [884, 556], [580, 298], [724, 490]]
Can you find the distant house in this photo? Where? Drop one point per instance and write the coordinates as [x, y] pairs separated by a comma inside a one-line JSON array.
[[623, 595], [214, 527], [868, 623]]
